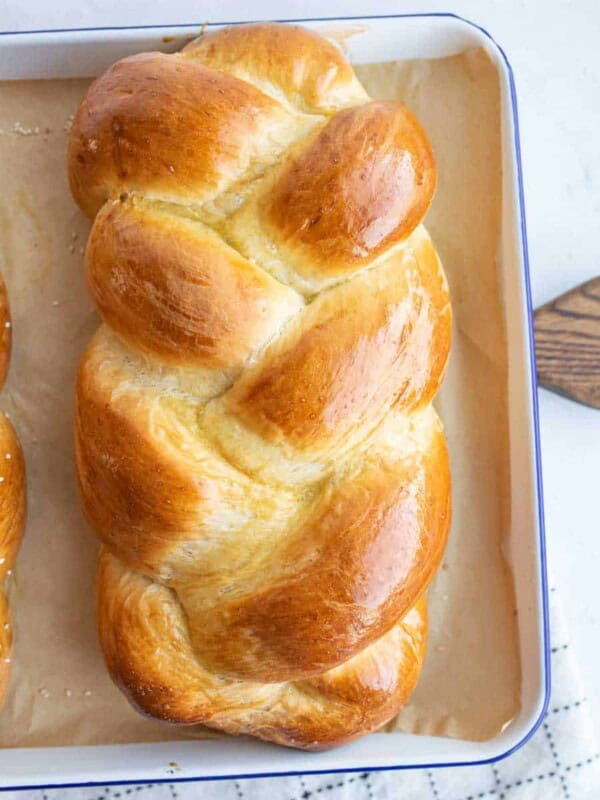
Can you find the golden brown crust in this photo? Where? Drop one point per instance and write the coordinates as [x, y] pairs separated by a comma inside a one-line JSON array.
[[379, 340], [359, 562], [167, 127], [12, 495], [138, 450], [12, 521], [373, 533], [363, 184], [127, 482], [254, 435], [291, 63], [144, 637], [12, 502], [161, 282]]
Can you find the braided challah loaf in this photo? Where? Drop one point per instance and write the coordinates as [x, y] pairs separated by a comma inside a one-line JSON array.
[[12, 499], [255, 441]]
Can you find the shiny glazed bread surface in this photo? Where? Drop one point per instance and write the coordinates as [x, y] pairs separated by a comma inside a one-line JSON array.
[[255, 441], [12, 501]]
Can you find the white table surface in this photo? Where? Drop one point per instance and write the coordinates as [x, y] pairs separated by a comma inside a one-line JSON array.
[[553, 47]]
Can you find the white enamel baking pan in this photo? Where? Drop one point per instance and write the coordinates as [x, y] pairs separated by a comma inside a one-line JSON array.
[[77, 53]]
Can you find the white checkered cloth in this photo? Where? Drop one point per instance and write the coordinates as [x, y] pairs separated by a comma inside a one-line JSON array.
[[561, 762]]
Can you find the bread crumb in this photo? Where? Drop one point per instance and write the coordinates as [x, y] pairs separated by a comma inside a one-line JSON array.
[[20, 130]]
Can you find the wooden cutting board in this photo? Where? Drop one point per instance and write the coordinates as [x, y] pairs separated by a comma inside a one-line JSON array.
[[567, 340]]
